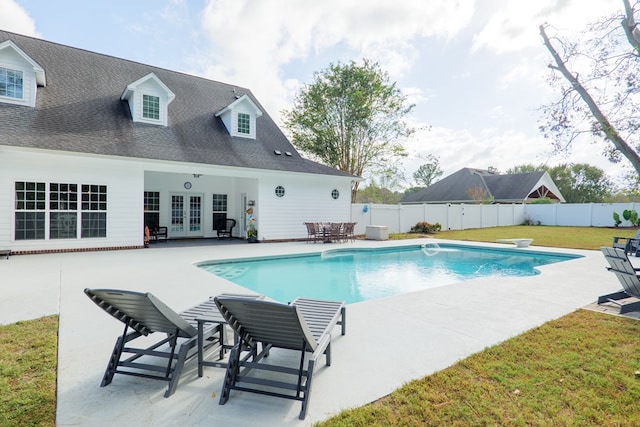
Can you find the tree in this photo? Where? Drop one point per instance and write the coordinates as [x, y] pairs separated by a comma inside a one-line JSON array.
[[578, 183], [599, 94], [351, 118], [528, 168], [429, 172], [581, 183], [375, 194], [479, 195]]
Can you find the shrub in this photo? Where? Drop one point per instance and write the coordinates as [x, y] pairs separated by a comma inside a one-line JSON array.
[[541, 201], [425, 227], [631, 216], [529, 221], [616, 219]]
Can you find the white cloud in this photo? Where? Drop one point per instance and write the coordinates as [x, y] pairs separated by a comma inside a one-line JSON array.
[[459, 148], [15, 19], [515, 26], [272, 34]]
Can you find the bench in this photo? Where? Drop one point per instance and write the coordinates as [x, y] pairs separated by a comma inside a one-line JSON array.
[[5, 253], [520, 243]]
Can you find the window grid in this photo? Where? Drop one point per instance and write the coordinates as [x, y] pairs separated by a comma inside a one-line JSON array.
[[33, 204], [152, 201], [335, 194], [63, 204], [279, 191], [219, 202], [11, 83], [31, 196], [151, 107], [219, 211], [94, 215], [244, 121]]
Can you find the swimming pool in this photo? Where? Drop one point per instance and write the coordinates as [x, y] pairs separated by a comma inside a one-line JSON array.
[[354, 275]]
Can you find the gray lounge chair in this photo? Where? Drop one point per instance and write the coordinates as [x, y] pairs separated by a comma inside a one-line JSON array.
[[629, 245], [144, 314], [304, 325], [620, 265]]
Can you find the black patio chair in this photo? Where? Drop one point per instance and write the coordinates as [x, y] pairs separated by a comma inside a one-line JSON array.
[[226, 228]]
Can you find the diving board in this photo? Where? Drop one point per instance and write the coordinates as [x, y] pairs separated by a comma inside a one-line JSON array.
[[520, 243]]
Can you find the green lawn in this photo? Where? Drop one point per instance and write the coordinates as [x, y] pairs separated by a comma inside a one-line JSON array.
[[28, 362], [578, 370]]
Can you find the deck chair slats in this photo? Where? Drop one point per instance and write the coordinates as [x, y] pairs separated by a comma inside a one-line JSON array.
[[276, 325], [146, 314], [627, 275]]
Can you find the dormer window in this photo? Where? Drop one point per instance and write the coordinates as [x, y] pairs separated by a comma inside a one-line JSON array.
[[149, 100], [244, 123], [11, 83], [19, 76], [151, 107], [239, 117]]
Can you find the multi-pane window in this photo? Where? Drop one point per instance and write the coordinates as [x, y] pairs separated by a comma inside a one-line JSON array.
[[30, 210], [151, 107], [94, 211], [244, 121], [219, 211], [56, 208], [11, 83], [63, 211], [152, 209]]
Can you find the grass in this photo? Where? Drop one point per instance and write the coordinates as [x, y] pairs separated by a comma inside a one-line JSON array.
[[590, 238], [28, 361], [578, 370]]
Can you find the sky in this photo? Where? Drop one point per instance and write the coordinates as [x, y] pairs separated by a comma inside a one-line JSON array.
[[475, 69]]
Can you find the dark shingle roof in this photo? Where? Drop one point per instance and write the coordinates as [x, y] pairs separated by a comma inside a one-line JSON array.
[[455, 187], [80, 110]]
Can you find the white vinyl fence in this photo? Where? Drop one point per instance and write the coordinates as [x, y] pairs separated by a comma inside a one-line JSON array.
[[400, 218]]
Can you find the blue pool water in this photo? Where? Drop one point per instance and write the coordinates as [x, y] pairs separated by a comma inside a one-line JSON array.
[[356, 275]]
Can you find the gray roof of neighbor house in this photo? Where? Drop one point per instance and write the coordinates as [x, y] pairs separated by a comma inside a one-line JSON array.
[[80, 110], [460, 186]]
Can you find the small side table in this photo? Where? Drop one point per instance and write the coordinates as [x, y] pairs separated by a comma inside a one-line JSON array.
[[214, 316]]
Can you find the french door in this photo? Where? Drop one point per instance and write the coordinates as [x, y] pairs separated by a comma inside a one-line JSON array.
[[186, 215]]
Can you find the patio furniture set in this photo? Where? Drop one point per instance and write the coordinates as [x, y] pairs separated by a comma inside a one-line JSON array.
[[330, 232], [304, 325]]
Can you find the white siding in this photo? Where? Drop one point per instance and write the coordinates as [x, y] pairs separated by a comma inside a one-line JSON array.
[[124, 181], [307, 199]]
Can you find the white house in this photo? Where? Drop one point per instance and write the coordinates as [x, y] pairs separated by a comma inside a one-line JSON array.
[[92, 147]]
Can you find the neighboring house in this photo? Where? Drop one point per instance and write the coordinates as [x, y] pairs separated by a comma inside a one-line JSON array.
[[92, 147], [478, 186]]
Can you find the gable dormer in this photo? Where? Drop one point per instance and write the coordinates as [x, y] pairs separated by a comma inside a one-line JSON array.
[[239, 117], [19, 76], [149, 100]]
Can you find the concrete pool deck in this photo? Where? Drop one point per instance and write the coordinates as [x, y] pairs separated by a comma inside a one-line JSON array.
[[389, 341]]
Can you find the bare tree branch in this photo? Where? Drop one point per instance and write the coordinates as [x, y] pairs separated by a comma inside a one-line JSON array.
[[610, 131]]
